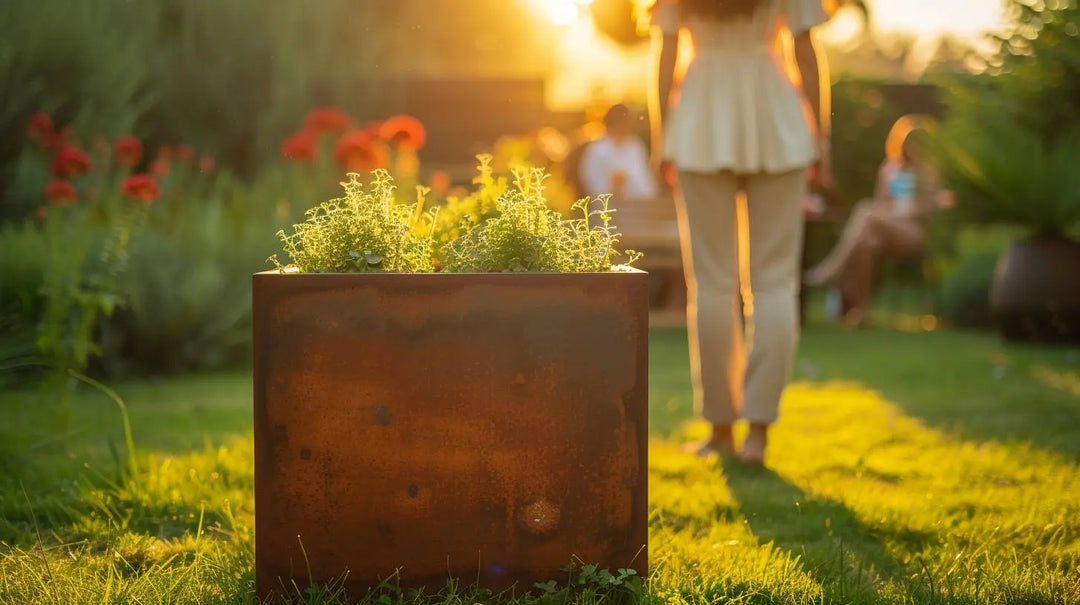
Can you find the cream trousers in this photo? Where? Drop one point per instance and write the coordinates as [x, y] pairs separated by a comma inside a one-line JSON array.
[[728, 382]]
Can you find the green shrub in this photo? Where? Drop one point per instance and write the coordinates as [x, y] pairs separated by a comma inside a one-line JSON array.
[[964, 300], [187, 287], [282, 59], [1011, 143], [861, 123], [21, 268], [967, 273]]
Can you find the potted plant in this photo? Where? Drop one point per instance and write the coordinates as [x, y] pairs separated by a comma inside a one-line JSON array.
[[438, 395], [1011, 150]]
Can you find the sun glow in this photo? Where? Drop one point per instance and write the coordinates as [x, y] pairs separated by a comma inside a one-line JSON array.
[[563, 13]]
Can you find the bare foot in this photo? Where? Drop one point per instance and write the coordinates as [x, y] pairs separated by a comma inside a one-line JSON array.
[[753, 449], [721, 443], [856, 317]]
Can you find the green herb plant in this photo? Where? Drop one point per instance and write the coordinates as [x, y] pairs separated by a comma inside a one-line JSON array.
[[499, 227], [363, 232]]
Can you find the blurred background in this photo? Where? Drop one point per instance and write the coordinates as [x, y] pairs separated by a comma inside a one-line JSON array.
[[240, 115]]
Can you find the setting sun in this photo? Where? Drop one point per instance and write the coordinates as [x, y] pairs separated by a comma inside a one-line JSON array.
[[562, 12]]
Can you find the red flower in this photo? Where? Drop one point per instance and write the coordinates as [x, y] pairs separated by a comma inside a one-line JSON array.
[[207, 164], [141, 187], [128, 151], [57, 140], [164, 153], [356, 151], [70, 161], [41, 212], [404, 131], [299, 148], [40, 127], [61, 193], [327, 120]]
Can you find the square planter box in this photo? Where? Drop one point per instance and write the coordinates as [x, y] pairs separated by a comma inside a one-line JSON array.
[[486, 427]]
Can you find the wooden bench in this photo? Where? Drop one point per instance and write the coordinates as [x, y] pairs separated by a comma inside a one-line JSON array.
[[650, 226]]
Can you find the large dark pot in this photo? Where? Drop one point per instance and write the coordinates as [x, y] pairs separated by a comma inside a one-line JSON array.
[[486, 427], [1035, 296]]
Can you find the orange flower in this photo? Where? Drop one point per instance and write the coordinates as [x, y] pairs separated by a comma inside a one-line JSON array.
[[324, 120], [299, 148], [440, 182], [141, 187], [100, 144], [185, 153], [61, 193], [207, 164], [160, 166], [164, 153], [70, 161], [405, 131], [40, 127], [372, 127], [356, 151], [128, 151]]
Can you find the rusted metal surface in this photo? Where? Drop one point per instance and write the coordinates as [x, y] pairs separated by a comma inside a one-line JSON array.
[[483, 427]]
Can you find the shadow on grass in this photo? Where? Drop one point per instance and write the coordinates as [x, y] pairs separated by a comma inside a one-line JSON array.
[[847, 557]]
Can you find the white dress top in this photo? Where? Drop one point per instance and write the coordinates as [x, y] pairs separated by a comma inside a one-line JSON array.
[[738, 109]]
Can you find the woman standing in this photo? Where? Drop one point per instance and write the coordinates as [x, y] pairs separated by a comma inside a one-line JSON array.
[[748, 118]]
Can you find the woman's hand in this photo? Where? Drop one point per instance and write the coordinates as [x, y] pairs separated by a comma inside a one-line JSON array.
[[663, 170], [821, 172]]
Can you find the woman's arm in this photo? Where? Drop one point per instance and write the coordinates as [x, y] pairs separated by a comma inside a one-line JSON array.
[[881, 187], [666, 41], [814, 73]]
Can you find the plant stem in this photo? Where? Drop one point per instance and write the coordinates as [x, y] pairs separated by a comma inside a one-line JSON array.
[[129, 441]]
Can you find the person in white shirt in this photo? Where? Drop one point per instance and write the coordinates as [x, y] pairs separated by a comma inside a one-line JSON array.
[[618, 163]]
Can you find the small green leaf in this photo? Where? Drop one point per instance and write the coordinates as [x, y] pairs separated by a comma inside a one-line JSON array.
[[548, 587]]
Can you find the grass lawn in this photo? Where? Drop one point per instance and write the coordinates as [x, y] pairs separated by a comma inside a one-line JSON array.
[[907, 467]]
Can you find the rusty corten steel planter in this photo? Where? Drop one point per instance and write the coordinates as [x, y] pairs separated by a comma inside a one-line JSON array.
[[478, 426]]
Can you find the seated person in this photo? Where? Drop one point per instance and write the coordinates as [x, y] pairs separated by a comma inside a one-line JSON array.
[[893, 223], [618, 162]]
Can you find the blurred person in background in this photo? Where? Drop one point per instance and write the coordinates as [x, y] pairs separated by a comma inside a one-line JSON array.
[[618, 162], [891, 223], [749, 118]]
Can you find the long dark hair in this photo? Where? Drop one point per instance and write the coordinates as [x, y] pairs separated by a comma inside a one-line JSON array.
[[719, 9]]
